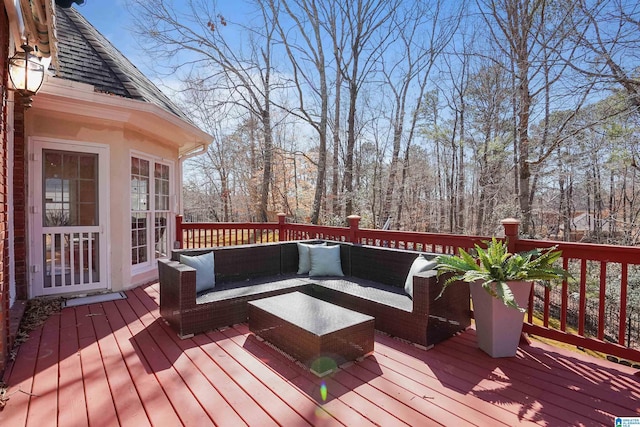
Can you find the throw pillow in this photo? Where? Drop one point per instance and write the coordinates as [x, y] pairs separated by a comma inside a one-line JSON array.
[[325, 261], [304, 262], [203, 264], [419, 265]]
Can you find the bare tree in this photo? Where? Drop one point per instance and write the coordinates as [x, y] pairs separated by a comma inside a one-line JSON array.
[[308, 24], [366, 41], [195, 40], [534, 37], [423, 30]]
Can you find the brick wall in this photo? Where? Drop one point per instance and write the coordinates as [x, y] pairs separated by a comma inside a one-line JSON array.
[[4, 238]]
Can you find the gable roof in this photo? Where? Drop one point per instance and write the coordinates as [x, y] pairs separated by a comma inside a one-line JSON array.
[[86, 56]]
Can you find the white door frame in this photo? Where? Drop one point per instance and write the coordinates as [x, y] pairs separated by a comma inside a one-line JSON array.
[[35, 223]]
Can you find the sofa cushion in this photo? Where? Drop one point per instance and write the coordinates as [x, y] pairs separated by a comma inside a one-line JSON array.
[[325, 261], [204, 266], [419, 265], [387, 295], [304, 260], [253, 288]]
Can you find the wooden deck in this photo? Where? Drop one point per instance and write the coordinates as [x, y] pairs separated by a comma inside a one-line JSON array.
[[117, 363]]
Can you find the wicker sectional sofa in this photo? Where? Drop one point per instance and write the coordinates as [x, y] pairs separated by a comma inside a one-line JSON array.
[[373, 284]]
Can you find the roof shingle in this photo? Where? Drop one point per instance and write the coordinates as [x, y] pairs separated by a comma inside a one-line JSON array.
[[86, 56]]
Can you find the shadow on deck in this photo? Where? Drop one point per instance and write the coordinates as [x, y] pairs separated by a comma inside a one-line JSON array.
[[119, 363]]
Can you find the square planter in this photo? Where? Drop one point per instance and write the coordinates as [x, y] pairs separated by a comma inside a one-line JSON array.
[[498, 327]]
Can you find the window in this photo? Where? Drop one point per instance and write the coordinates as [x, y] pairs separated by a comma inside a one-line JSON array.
[[150, 210]]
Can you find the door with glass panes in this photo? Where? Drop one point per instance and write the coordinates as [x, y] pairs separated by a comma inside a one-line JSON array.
[[150, 211], [69, 207]]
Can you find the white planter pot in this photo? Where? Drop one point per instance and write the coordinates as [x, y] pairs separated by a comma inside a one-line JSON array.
[[499, 327]]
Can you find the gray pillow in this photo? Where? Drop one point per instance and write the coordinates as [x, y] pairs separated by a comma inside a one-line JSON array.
[[203, 264], [419, 265], [304, 262], [325, 261]]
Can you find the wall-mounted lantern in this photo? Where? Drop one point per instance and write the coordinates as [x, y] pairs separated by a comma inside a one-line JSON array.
[[26, 73]]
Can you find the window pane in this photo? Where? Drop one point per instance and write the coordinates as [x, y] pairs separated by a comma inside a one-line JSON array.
[[138, 237], [65, 191], [88, 168], [139, 184]]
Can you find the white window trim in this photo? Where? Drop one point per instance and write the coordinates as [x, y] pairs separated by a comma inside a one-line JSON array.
[[152, 261]]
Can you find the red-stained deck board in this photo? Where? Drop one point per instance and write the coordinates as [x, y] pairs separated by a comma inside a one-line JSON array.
[[247, 408], [261, 394], [72, 406], [100, 407], [123, 392], [119, 363], [19, 377], [366, 409], [277, 385], [559, 398], [394, 388], [305, 381], [484, 382], [446, 390], [214, 404], [304, 405], [45, 385], [395, 408], [157, 405], [152, 342]]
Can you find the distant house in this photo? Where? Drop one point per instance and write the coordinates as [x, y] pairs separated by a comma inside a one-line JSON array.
[[91, 173], [584, 226]]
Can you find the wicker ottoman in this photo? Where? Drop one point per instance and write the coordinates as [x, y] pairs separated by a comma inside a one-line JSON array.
[[319, 334]]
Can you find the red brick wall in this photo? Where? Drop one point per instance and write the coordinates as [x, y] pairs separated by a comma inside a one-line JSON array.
[[20, 204], [4, 238]]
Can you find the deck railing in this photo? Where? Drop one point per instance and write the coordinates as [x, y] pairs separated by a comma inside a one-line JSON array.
[[596, 269]]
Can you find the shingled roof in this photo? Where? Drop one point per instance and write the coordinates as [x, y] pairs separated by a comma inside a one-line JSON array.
[[86, 56]]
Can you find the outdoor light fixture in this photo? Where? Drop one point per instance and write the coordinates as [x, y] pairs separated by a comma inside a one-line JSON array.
[[27, 74]]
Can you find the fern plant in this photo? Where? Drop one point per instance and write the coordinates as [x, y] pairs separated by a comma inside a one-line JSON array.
[[495, 266]]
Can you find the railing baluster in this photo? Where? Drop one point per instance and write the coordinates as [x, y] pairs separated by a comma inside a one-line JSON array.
[[623, 303], [583, 296], [547, 298], [601, 301], [565, 297]]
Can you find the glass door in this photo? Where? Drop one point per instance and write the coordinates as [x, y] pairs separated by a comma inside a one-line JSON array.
[[67, 215]]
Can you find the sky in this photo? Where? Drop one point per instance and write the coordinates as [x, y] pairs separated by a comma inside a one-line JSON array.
[[112, 19]]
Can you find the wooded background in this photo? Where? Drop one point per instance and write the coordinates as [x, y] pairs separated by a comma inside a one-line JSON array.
[[437, 116]]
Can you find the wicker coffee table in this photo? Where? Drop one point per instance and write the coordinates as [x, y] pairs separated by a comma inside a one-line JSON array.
[[319, 334]]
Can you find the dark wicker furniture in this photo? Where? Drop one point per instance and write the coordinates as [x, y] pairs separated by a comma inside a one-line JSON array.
[[373, 285], [319, 334]]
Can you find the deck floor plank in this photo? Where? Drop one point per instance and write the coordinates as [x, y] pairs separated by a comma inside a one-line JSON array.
[[126, 325], [306, 382], [72, 406], [488, 382], [123, 392], [19, 377], [195, 399], [45, 383], [447, 389], [119, 363], [560, 398], [100, 406], [247, 351], [258, 370], [261, 394], [218, 407]]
